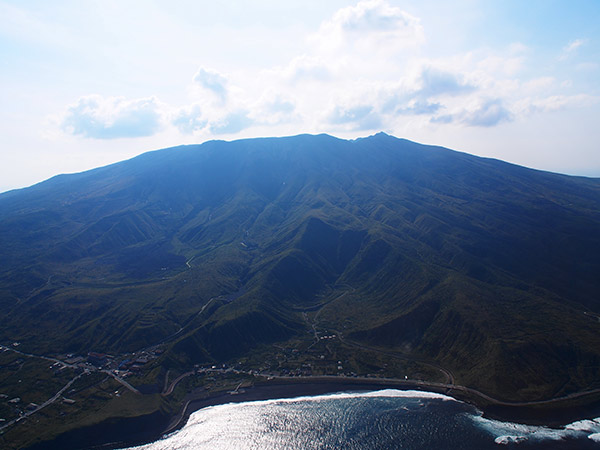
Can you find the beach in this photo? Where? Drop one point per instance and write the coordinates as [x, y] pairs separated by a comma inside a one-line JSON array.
[[128, 432]]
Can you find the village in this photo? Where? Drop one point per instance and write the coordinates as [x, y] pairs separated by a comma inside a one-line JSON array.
[[285, 362]]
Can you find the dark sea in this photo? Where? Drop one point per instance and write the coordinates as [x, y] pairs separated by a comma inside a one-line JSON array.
[[388, 419]]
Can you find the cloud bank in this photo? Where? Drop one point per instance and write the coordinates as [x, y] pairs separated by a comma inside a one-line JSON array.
[[96, 117], [366, 68]]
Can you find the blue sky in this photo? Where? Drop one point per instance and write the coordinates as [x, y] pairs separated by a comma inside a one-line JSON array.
[[88, 83]]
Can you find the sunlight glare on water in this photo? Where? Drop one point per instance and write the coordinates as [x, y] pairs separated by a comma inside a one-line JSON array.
[[388, 419]]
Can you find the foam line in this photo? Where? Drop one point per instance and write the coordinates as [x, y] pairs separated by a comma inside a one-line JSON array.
[[511, 433]]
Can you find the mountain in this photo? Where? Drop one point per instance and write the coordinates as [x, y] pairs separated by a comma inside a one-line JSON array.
[[216, 251]]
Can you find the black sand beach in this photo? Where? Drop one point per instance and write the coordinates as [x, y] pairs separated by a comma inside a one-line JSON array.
[[129, 432]]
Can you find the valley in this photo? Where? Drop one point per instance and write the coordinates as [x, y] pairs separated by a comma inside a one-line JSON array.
[[128, 291]]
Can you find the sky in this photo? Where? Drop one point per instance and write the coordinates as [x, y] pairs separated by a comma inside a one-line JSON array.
[[86, 83]]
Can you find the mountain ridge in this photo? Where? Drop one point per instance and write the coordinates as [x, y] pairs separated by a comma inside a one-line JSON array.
[[65, 176], [483, 267]]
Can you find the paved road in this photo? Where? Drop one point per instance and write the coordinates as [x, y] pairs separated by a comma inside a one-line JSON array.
[[175, 381], [398, 355], [122, 381], [313, 325], [47, 358], [399, 383], [444, 386], [314, 322], [178, 332], [43, 405]]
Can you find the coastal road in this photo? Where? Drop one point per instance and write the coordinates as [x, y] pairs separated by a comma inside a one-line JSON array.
[[495, 401], [429, 384], [389, 382]]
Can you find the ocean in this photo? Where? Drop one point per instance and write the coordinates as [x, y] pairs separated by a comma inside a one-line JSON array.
[[386, 419]]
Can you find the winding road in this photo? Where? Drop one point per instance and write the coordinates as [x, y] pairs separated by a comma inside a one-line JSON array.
[[313, 324]]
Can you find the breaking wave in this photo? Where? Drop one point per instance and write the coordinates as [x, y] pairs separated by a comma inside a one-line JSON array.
[[514, 433], [386, 419]]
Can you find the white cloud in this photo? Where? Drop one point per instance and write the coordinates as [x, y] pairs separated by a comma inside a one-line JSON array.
[[358, 117], [274, 68], [307, 68], [94, 116], [274, 109], [588, 66], [487, 114], [364, 69], [442, 119], [189, 119], [482, 113], [556, 103], [436, 82], [367, 24], [574, 45], [419, 107], [571, 48], [232, 123], [542, 84], [212, 81], [501, 65]]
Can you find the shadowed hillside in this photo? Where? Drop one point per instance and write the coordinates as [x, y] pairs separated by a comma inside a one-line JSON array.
[[485, 268]]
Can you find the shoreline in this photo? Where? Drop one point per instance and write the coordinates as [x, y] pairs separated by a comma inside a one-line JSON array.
[[552, 413], [554, 416], [292, 387]]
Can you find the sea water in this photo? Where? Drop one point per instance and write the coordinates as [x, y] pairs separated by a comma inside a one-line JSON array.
[[387, 419]]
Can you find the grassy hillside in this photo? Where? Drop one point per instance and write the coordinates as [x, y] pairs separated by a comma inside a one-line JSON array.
[[487, 269]]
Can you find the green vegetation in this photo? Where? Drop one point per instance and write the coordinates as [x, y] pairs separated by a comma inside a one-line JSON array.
[[298, 256]]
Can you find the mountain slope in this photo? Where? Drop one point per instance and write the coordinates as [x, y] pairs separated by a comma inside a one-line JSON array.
[[485, 268]]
